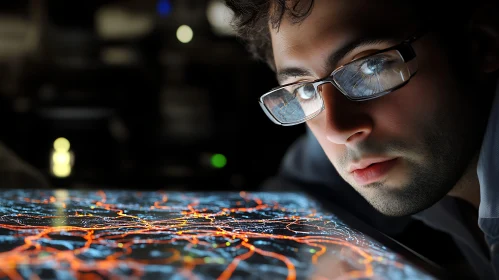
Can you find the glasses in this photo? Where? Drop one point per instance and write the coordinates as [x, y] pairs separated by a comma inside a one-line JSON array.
[[362, 79]]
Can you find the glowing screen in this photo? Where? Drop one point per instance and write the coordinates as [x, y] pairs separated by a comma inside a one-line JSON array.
[[69, 234]]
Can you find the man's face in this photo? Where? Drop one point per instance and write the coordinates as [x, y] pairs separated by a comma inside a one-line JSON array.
[[420, 137]]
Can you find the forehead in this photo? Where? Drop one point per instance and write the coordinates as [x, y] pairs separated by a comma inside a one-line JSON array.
[[333, 23]]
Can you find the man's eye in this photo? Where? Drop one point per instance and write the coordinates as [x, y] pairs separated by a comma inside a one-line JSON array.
[[305, 92], [373, 66]]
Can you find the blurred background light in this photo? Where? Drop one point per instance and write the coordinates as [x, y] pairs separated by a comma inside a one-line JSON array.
[[220, 17], [62, 160], [119, 56], [185, 34], [62, 144], [14, 34], [61, 170], [164, 7], [114, 22], [218, 161]]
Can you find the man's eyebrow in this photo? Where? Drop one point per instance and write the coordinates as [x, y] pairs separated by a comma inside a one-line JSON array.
[[335, 57], [286, 73], [339, 54]]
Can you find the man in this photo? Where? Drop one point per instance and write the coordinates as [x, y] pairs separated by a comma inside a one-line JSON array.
[[400, 95]]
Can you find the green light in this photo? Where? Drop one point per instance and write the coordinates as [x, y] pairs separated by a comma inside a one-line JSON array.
[[312, 251], [43, 255], [218, 161]]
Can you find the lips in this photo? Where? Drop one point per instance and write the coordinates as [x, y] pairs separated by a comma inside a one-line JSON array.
[[370, 171]]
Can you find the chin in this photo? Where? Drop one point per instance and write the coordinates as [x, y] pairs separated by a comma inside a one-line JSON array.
[[397, 201], [400, 206], [396, 212]]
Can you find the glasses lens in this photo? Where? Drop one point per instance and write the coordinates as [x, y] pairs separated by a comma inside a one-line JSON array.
[[372, 76], [293, 104]]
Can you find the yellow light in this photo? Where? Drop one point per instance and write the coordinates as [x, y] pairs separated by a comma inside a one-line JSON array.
[[61, 144], [63, 158], [61, 195], [185, 34], [61, 170]]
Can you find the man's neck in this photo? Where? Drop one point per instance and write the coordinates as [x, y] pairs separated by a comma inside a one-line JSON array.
[[468, 187]]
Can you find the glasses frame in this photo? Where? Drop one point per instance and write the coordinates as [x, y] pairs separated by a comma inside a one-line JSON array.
[[406, 52]]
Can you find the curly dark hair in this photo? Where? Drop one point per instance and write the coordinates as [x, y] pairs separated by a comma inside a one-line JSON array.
[[252, 18]]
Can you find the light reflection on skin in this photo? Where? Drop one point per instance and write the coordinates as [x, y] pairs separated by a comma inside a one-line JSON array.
[[334, 268]]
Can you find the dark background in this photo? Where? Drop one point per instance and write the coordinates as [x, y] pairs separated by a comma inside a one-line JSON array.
[[140, 109]]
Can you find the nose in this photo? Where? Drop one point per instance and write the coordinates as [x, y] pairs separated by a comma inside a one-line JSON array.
[[346, 122]]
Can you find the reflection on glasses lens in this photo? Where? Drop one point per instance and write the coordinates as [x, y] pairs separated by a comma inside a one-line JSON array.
[[293, 104], [361, 79], [367, 78]]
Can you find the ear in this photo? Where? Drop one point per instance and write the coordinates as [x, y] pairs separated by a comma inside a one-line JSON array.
[[485, 35]]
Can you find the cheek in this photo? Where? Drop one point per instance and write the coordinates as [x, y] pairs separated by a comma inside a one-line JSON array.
[[407, 112], [402, 113], [429, 96]]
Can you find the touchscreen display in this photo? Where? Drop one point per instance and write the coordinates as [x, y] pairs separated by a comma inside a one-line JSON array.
[[70, 234]]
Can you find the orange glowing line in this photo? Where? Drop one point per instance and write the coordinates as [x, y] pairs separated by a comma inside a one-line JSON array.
[[11, 272], [102, 194], [258, 201], [233, 265], [316, 256], [244, 209], [368, 259], [289, 264]]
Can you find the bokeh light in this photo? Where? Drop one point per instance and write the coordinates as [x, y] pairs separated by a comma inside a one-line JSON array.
[[218, 161], [185, 34], [61, 144]]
